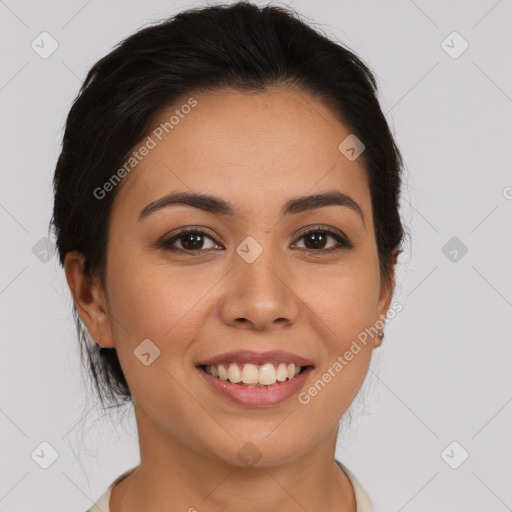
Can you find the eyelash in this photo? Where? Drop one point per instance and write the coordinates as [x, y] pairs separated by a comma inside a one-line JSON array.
[[344, 243]]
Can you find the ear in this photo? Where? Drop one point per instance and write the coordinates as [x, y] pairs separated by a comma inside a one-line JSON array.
[[89, 298], [386, 291]]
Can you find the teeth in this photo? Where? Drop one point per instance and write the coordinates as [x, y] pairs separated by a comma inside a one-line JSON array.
[[250, 374], [282, 373], [223, 374], [265, 375], [234, 373]]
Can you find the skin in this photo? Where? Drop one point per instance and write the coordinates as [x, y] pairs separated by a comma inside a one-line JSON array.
[[256, 151]]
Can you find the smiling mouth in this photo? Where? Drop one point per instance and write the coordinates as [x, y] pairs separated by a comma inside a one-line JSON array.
[[252, 375]]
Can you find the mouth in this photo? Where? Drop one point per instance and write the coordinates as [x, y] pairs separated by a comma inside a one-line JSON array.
[[256, 379], [251, 375]]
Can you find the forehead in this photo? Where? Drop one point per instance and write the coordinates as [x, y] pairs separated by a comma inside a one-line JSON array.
[[250, 147]]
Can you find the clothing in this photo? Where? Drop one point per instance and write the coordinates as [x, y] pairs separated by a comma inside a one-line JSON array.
[[363, 502]]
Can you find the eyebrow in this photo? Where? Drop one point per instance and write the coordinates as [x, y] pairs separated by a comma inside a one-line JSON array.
[[218, 206]]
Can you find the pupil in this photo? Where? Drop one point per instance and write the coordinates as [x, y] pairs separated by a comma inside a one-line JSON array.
[[316, 237], [193, 238]]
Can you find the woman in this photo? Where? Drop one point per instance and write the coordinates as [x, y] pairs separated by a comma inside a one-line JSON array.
[[226, 210]]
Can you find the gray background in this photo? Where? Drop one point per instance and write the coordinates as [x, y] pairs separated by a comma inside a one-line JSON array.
[[443, 373]]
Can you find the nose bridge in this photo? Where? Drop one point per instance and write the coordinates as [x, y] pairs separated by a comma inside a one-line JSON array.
[[259, 290], [260, 264]]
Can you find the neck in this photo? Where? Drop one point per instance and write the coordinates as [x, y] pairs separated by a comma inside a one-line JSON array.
[[175, 477]]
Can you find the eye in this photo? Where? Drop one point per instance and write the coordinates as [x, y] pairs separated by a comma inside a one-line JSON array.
[[316, 237], [192, 240]]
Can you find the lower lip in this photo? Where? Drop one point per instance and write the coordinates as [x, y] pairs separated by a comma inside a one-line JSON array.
[[258, 396]]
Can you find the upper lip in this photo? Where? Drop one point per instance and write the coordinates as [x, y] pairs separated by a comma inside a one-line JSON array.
[[257, 358]]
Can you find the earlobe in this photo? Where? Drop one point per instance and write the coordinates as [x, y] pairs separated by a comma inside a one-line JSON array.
[[384, 303], [89, 298]]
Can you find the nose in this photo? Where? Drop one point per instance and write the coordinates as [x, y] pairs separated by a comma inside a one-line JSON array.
[[260, 295]]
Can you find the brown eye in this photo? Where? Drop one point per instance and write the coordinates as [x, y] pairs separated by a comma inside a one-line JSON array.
[[190, 240], [316, 239]]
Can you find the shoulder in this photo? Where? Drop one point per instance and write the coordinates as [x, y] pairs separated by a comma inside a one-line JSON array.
[[103, 502], [363, 501]]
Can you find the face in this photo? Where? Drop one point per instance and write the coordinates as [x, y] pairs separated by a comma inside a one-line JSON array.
[[249, 279]]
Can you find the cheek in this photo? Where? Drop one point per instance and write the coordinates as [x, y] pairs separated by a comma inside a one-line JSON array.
[[345, 300], [157, 302], [344, 311], [160, 304]]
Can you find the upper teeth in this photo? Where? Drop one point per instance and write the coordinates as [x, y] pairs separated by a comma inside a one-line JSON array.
[[250, 374]]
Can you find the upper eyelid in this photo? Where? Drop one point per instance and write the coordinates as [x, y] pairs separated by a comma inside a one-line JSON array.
[[315, 227]]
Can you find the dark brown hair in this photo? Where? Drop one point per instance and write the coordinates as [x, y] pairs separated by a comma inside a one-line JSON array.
[[241, 46]]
